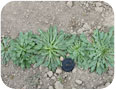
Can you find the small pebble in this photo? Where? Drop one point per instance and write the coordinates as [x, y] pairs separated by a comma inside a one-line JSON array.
[[45, 75], [98, 4], [69, 4], [8, 31], [50, 87], [58, 85], [58, 70], [55, 74], [40, 82], [98, 27], [78, 82], [39, 87], [107, 84], [99, 9], [86, 26], [41, 68], [50, 73], [69, 78], [74, 70], [61, 58], [46, 22], [53, 78], [47, 78], [65, 76], [24, 87]]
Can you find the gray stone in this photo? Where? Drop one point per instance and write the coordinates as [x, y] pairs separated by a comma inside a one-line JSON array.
[[69, 78], [71, 31], [47, 78], [74, 70], [41, 68], [8, 31], [58, 85], [101, 87], [78, 82], [51, 87], [55, 74], [40, 82], [58, 70], [65, 76], [87, 5], [98, 4], [86, 26], [69, 4], [24, 87], [98, 27], [107, 84], [53, 78], [50, 73], [45, 75], [39, 87], [81, 30], [99, 9]]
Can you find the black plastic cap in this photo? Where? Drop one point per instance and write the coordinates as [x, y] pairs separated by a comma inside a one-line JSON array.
[[68, 64]]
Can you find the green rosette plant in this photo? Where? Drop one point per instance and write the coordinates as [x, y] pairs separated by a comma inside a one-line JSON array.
[[47, 47], [50, 46], [5, 49], [22, 50], [101, 51], [77, 51]]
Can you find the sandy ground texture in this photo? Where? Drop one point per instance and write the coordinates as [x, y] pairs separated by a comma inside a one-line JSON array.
[[72, 17]]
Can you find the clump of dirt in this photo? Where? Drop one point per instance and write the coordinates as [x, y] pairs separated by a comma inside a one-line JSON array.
[[72, 17]]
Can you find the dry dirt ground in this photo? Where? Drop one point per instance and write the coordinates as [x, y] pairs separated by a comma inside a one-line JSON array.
[[72, 17]]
